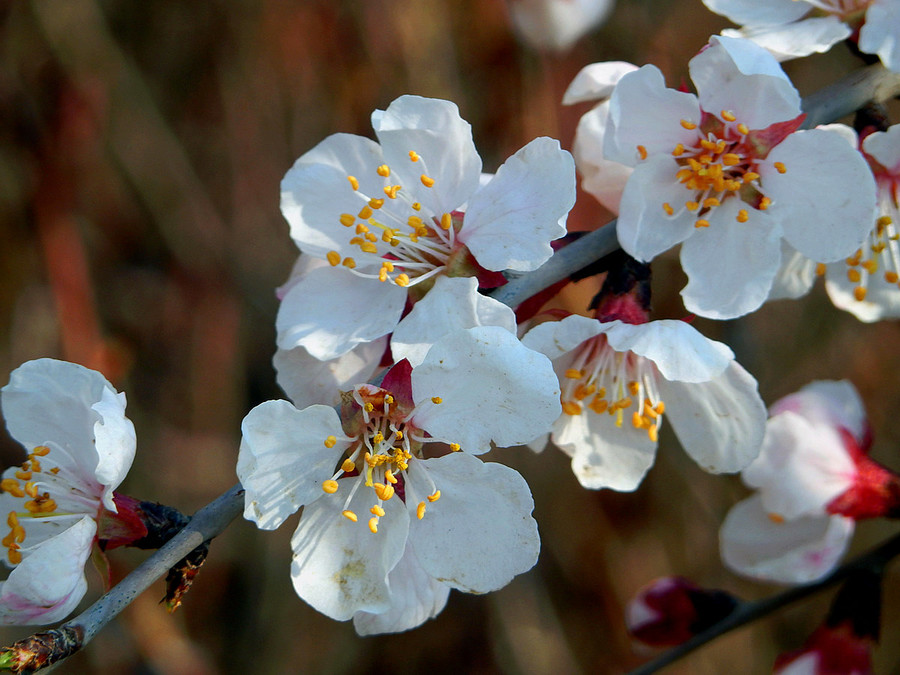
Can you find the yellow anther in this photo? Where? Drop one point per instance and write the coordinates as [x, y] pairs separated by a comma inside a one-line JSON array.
[[571, 407], [361, 228], [416, 206], [574, 374], [329, 486], [402, 280], [859, 293], [688, 125], [743, 129], [660, 408], [353, 182], [446, 221], [365, 212], [389, 477], [854, 275], [702, 223], [11, 485], [378, 438], [415, 222], [420, 510], [780, 167], [667, 207], [636, 420], [692, 206], [384, 492], [582, 391], [710, 202], [891, 277], [389, 399], [642, 151], [334, 258], [388, 235], [684, 174], [349, 515], [775, 518], [731, 159], [23, 475], [388, 266], [398, 434], [764, 203], [426, 181], [373, 525], [634, 388], [382, 275], [54, 470], [347, 220], [384, 171], [348, 465], [883, 222], [391, 191], [437, 400], [707, 144], [41, 451], [368, 247], [348, 262], [728, 116], [14, 556], [750, 176], [330, 441], [12, 520], [434, 497], [742, 216], [376, 203], [377, 511], [820, 269], [369, 406], [413, 156], [678, 151], [455, 447], [653, 433], [871, 265], [371, 237]]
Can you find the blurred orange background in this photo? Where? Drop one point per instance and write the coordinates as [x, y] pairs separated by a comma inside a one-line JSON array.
[[141, 149]]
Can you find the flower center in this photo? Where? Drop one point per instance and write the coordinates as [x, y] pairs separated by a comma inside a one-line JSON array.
[[720, 164], [26, 484], [606, 381], [380, 454], [880, 251], [393, 230]]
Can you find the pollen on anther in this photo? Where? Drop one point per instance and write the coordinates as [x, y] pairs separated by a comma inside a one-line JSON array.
[[455, 447], [728, 116], [376, 203], [384, 171], [349, 515], [416, 206], [642, 151], [41, 451], [353, 182], [349, 262], [376, 511], [373, 525], [365, 213], [347, 220], [330, 486], [678, 151], [780, 167], [334, 258], [392, 190], [434, 496], [427, 181], [389, 477], [437, 400], [820, 269], [743, 129], [413, 156], [776, 518], [420, 510], [667, 207], [688, 125], [446, 221], [348, 465], [402, 280], [330, 441], [742, 216], [764, 203], [574, 374], [702, 223], [859, 293]]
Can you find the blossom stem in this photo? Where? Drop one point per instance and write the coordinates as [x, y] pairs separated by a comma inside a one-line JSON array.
[[873, 561], [873, 83]]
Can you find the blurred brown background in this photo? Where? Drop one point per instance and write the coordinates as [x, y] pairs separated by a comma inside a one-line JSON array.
[[141, 149]]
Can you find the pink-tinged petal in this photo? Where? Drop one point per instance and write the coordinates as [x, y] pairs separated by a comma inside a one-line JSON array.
[[731, 265], [480, 533], [884, 147], [596, 81], [795, 276], [555, 339], [510, 222], [825, 200], [827, 403], [600, 177], [879, 34], [330, 311], [307, 380], [415, 598], [790, 552], [453, 303], [605, 455], [743, 78], [882, 299], [759, 12], [719, 423], [433, 129], [341, 567], [49, 582], [679, 350], [644, 229], [556, 24], [493, 388], [642, 111], [283, 459], [792, 40]]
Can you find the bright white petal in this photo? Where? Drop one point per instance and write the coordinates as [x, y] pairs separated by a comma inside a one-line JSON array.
[[452, 304], [510, 223], [605, 455], [480, 533], [351, 155], [792, 40], [443, 140], [283, 459], [795, 277], [644, 229], [720, 423], [759, 12], [884, 147], [825, 200], [49, 582], [307, 380], [679, 350], [600, 177], [556, 24], [828, 403], [115, 442], [642, 111], [493, 389], [555, 339], [340, 567], [743, 78], [880, 33], [882, 299], [730, 265], [596, 81], [330, 311], [793, 552], [415, 598]]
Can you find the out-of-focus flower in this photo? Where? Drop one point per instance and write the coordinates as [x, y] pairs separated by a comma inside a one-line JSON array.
[[80, 445], [814, 480], [390, 216], [556, 24], [727, 174], [792, 28], [387, 530], [671, 610]]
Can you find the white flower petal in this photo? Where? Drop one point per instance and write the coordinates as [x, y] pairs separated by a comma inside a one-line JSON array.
[[351, 155], [743, 78], [330, 311], [600, 177], [596, 81], [879, 34], [443, 140], [452, 304], [720, 423], [795, 276], [555, 339], [827, 402], [340, 567], [882, 299], [115, 441], [759, 12], [792, 40], [415, 598], [679, 350], [49, 582], [826, 199], [730, 265], [283, 459], [793, 552], [510, 222], [480, 533], [556, 24], [492, 386], [884, 147]]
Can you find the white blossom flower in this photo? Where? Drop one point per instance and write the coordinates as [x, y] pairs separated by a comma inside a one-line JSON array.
[[556, 24], [619, 379], [726, 173], [813, 480], [392, 215], [792, 28], [80, 445], [386, 529]]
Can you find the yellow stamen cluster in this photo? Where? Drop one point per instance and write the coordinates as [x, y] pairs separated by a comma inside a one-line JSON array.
[[40, 504], [879, 251]]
